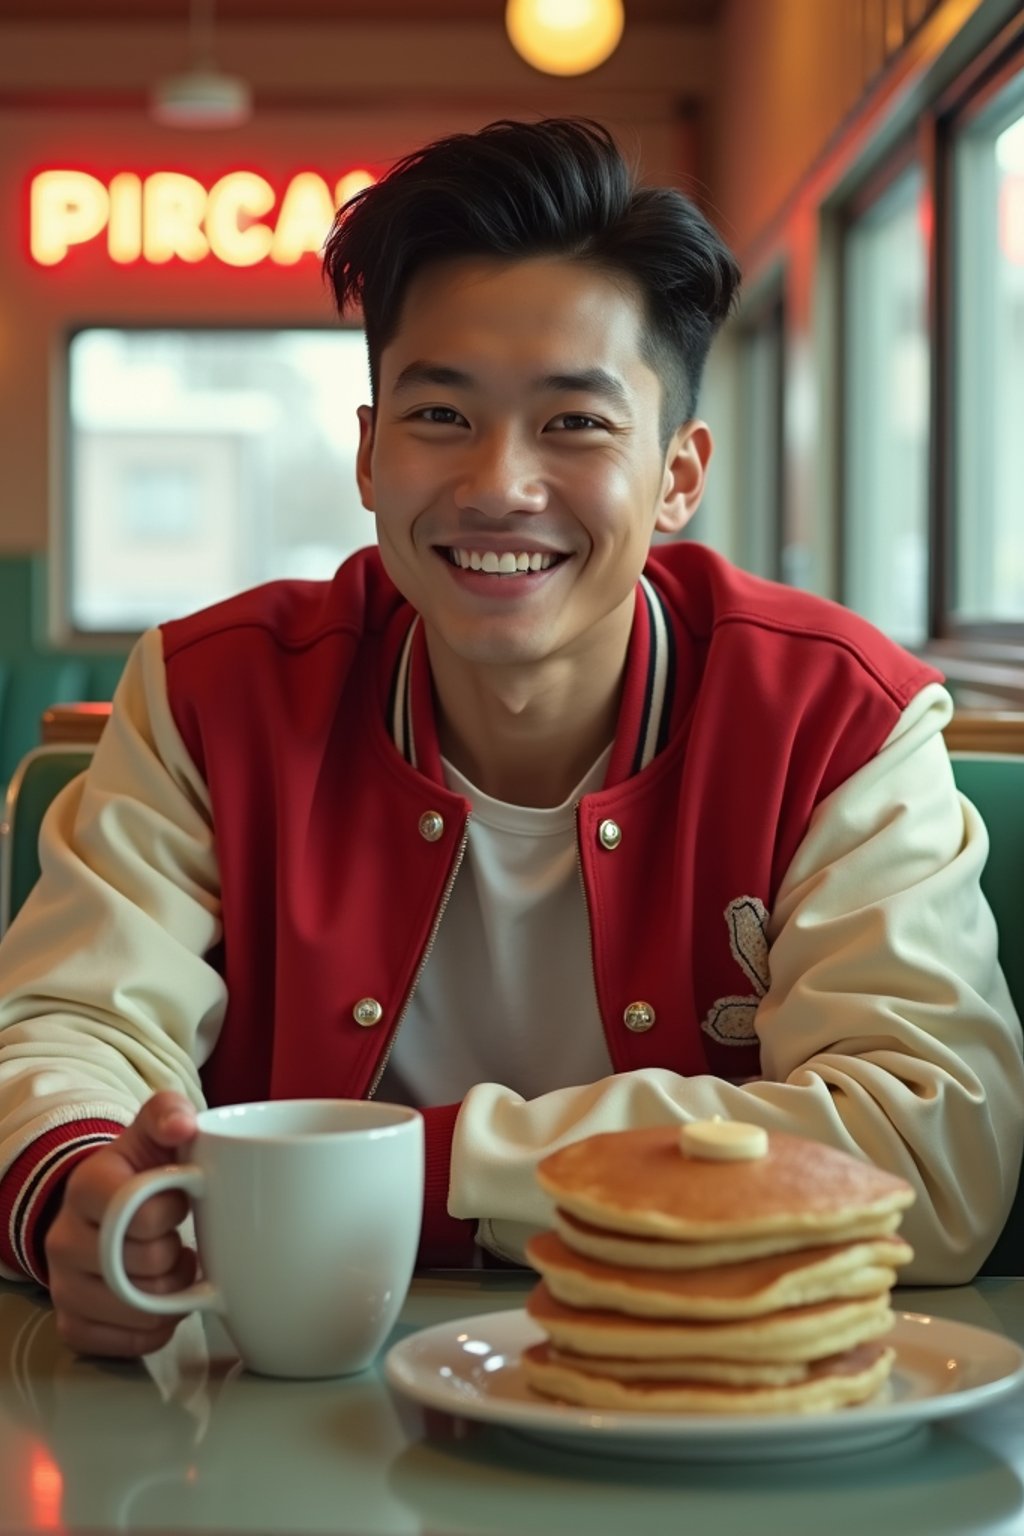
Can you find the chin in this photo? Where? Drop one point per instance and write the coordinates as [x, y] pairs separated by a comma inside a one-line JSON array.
[[501, 650]]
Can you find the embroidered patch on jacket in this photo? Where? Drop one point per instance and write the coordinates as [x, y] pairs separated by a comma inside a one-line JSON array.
[[730, 1020]]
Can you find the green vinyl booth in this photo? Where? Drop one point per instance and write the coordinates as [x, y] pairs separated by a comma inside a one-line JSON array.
[[29, 685], [994, 782], [37, 779]]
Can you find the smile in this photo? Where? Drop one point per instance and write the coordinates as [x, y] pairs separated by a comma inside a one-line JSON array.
[[508, 563]]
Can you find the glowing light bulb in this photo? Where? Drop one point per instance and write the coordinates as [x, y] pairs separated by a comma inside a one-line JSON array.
[[564, 37]]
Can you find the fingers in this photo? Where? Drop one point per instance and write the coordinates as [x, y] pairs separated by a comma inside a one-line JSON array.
[[93, 1184], [90, 1317], [156, 1260], [72, 1242], [164, 1123], [92, 1320], [88, 1296], [88, 1337], [72, 1252]]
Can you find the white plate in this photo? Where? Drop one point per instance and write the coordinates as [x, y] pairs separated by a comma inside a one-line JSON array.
[[470, 1369]]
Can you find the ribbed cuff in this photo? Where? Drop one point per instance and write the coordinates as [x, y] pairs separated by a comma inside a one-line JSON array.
[[29, 1189], [445, 1242]]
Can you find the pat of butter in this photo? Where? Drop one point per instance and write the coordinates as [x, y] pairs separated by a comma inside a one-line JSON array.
[[723, 1141]]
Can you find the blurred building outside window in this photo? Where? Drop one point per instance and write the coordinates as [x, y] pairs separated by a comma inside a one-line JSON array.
[[886, 412], [202, 462], [988, 364], [760, 442]]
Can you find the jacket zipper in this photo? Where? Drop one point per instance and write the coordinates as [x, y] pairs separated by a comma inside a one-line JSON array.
[[445, 898], [590, 931]]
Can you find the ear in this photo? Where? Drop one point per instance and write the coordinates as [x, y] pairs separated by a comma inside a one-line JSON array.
[[686, 465], [364, 456]]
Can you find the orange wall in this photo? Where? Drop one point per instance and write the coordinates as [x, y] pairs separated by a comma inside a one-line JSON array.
[[788, 72], [799, 81]]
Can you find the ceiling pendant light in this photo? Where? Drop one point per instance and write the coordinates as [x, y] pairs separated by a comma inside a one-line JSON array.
[[201, 97], [564, 37]]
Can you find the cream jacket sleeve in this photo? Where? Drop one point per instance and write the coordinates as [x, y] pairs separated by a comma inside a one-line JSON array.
[[886, 1029], [104, 995]]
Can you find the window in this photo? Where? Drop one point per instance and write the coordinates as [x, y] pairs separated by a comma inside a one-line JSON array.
[[202, 462], [886, 391], [988, 362], [760, 449]]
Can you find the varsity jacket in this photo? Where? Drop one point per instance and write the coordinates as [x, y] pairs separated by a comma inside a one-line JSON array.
[[781, 886]]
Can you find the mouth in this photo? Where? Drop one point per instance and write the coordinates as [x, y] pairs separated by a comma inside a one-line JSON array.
[[509, 562]]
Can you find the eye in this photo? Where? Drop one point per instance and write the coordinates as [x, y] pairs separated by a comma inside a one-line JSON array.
[[438, 416], [576, 421]]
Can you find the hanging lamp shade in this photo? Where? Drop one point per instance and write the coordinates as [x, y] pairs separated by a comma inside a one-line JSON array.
[[564, 37], [201, 96], [201, 99]]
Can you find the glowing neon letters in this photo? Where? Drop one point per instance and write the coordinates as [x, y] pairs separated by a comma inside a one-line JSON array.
[[169, 216]]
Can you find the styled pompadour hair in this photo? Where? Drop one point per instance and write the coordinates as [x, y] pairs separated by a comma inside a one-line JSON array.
[[515, 190]]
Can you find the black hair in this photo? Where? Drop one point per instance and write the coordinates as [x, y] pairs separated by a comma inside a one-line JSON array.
[[558, 187]]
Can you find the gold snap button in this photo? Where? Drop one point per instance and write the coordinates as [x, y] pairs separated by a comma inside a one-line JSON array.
[[639, 1017], [609, 834], [367, 1012], [431, 826]]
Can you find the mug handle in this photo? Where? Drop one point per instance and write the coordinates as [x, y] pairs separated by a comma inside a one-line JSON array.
[[190, 1179]]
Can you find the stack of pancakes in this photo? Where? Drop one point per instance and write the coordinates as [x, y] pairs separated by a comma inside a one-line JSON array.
[[704, 1281]]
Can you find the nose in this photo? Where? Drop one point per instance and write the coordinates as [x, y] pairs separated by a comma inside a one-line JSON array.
[[500, 475]]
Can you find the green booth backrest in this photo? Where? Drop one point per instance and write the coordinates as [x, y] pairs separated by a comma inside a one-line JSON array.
[[995, 784], [37, 780], [30, 685]]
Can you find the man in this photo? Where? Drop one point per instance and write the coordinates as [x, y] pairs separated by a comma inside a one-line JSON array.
[[516, 819]]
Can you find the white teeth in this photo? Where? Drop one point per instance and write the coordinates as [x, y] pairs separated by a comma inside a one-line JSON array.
[[505, 564]]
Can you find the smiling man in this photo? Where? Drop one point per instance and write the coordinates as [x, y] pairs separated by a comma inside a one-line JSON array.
[[518, 819], [515, 461]]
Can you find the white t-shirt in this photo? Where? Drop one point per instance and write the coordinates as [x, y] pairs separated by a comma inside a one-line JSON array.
[[507, 994]]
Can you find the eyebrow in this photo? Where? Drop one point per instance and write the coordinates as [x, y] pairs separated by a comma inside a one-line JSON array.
[[420, 373], [590, 381]]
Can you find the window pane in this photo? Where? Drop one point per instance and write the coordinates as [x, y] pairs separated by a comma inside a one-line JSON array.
[[885, 534], [761, 443], [989, 544], [203, 462]]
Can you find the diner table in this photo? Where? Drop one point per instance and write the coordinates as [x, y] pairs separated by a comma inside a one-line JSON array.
[[186, 1440]]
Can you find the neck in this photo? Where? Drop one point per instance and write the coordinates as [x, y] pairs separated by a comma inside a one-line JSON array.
[[527, 735]]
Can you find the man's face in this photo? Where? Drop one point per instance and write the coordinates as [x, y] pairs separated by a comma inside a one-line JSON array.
[[513, 459]]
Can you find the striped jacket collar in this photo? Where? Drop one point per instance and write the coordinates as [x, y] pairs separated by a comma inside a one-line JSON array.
[[645, 714]]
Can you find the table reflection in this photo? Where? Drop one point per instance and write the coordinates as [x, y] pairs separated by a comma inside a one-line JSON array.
[[187, 1440]]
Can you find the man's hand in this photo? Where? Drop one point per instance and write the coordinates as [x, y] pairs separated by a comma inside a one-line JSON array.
[[90, 1318]]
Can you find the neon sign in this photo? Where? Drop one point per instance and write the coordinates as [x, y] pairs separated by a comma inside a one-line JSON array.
[[168, 216]]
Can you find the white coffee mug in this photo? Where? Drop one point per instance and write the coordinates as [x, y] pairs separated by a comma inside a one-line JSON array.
[[307, 1217]]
